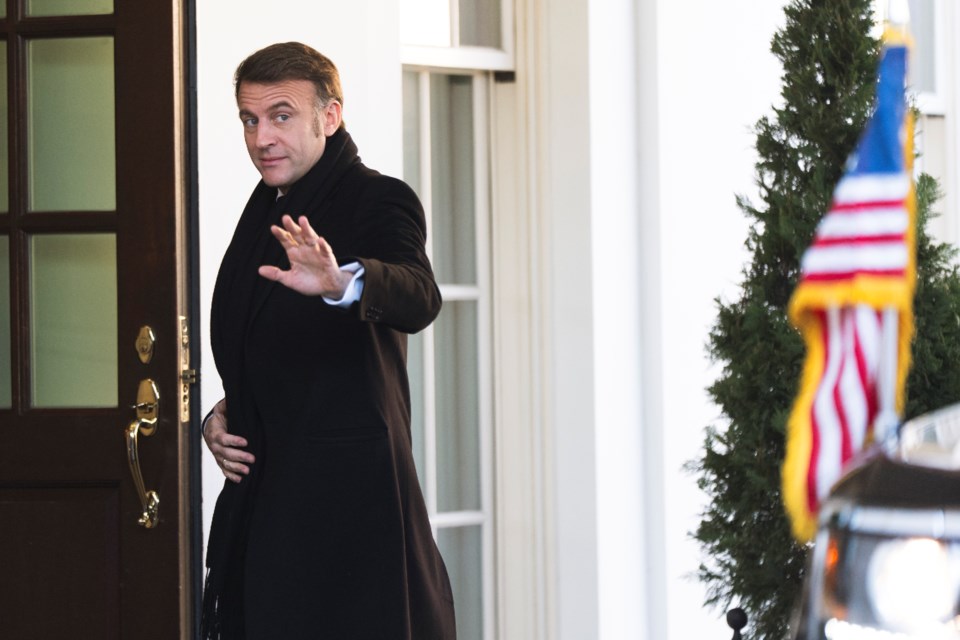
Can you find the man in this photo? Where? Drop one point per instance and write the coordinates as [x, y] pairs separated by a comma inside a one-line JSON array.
[[320, 530]]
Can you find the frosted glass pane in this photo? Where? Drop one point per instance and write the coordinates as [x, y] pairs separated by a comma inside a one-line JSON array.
[[480, 23], [73, 304], [417, 430], [458, 407], [6, 371], [4, 149], [69, 7], [923, 72], [411, 130], [452, 160], [462, 551], [71, 124]]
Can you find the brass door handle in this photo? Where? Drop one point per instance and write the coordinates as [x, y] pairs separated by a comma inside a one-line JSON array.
[[145, 423]]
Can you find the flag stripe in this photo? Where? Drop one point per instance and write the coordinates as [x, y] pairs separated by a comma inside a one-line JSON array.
[[883, 256], [857, 206], [878, 222], [876, 187], [825, 465], [859, 240], [867, 350]]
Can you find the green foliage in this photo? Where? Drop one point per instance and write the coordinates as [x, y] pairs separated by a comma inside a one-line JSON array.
[[829, 61], [934, 379]]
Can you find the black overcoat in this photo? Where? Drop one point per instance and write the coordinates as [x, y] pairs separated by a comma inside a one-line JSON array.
[[328, 537]]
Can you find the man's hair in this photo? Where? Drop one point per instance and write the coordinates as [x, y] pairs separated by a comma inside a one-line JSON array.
[[291, 61]]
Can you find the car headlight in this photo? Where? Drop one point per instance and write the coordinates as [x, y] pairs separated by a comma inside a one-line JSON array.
[[912, 583], [887, 585]]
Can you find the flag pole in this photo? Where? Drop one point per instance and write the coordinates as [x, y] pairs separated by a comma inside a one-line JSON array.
[[885, 424]]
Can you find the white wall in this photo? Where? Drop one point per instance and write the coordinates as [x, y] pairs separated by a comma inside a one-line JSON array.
[[646, 140], [361, 38], [716, 78]]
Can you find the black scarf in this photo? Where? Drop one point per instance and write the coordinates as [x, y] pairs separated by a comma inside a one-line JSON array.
[[237, 296]]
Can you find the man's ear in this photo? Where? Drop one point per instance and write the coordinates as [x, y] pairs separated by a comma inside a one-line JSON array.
[[331, 117]]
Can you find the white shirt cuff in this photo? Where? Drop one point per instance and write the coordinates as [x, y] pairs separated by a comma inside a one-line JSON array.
[[354, 288]]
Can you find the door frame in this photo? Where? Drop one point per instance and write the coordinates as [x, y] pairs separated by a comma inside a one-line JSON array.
[[194, 546]]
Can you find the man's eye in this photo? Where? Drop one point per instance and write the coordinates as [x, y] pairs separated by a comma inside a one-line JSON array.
[[249, 122], [283, 117]]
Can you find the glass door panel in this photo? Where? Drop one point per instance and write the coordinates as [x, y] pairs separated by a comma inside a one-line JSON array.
[[923, 60], [4, 150], [454, 198], [38, 8], [71, 138], [6, 361], [444, 161], [411, 131], [462, 551], [73, 332], [458, 407], [480, 23]]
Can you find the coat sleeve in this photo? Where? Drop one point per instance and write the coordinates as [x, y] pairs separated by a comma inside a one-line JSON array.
[[399, 288]]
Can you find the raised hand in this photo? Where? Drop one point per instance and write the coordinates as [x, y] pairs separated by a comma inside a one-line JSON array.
[[313, 266]]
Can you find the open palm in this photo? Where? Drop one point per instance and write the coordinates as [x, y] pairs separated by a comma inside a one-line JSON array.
[[314, 270]]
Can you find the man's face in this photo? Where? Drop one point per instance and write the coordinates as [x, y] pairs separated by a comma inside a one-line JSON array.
[[285, 135]]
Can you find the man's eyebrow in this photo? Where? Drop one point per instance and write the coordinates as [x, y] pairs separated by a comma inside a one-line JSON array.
[[283, 104]]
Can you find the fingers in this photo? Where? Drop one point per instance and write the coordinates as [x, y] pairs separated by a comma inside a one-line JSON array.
[[232, 469], [235, 463], [228, 451], [270, 272], [292, 234]]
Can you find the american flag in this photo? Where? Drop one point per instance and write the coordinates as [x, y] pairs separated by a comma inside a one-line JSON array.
[[857, 274]]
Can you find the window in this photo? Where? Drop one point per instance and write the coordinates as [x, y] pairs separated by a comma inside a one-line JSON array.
[[926, 71], [464, 34], [928, 75], [445, 161], [926, 67]]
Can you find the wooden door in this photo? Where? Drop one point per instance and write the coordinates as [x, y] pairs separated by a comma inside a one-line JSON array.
[[92, 237]]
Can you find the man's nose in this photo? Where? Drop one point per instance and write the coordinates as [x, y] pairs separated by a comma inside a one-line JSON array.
[[265, 136]]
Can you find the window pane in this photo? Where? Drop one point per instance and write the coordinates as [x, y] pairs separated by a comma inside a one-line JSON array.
[[480, 23], [411, 130], [425, 22], [462, 551], [73, 303], [452, 160], [68, 7], [71, 128], [458, 423], [5, 356], [4, 161], [923, 72], [417, 419]]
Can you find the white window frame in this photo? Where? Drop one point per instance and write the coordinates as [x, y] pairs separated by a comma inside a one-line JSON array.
[[481, 295], [451, 54]]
